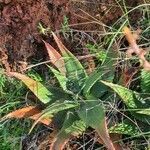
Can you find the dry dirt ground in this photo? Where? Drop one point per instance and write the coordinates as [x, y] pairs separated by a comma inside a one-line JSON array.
[[20, 40]]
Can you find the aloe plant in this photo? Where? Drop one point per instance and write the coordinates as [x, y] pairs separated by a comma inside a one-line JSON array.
[[75, 105], [78, 102]]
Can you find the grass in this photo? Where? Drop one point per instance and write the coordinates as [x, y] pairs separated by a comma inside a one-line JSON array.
[[14, 94]]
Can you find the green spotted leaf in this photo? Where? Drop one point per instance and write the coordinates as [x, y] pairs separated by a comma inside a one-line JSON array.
[[133, 101]]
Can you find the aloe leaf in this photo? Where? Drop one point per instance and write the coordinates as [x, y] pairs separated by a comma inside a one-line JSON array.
[[94, 78], [60, 77], [23, 112], [54, 109], [59, 142], [46, 120], [132, 99], [126, 94], [77, 128], [92, 113], [129, 128], [92, 110], [59, 106], [72, 63], [92, 85], [39, 90], [31, 112], [145, 81], [74, 70], [124, 128], [72, 126], [144, 111], [56, 58]]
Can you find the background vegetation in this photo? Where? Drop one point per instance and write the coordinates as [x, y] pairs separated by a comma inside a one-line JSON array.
[[91, 98]]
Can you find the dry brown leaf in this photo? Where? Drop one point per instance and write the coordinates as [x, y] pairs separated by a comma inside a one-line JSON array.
[[60, 45], [56, 58], [45, 120], [39, 90], [146, 65], [132, 41], [134, 48], [58, 144], [104, 135], [114, 138], [127, 76], [31, 112], [24, 112]]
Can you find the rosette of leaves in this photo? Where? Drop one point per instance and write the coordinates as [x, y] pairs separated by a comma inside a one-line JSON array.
[[73, 106]]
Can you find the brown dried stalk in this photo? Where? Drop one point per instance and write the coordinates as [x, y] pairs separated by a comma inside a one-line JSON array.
[[134, 48]]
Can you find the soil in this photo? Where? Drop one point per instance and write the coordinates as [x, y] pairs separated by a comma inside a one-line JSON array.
[[21, 42], [19, 36]]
